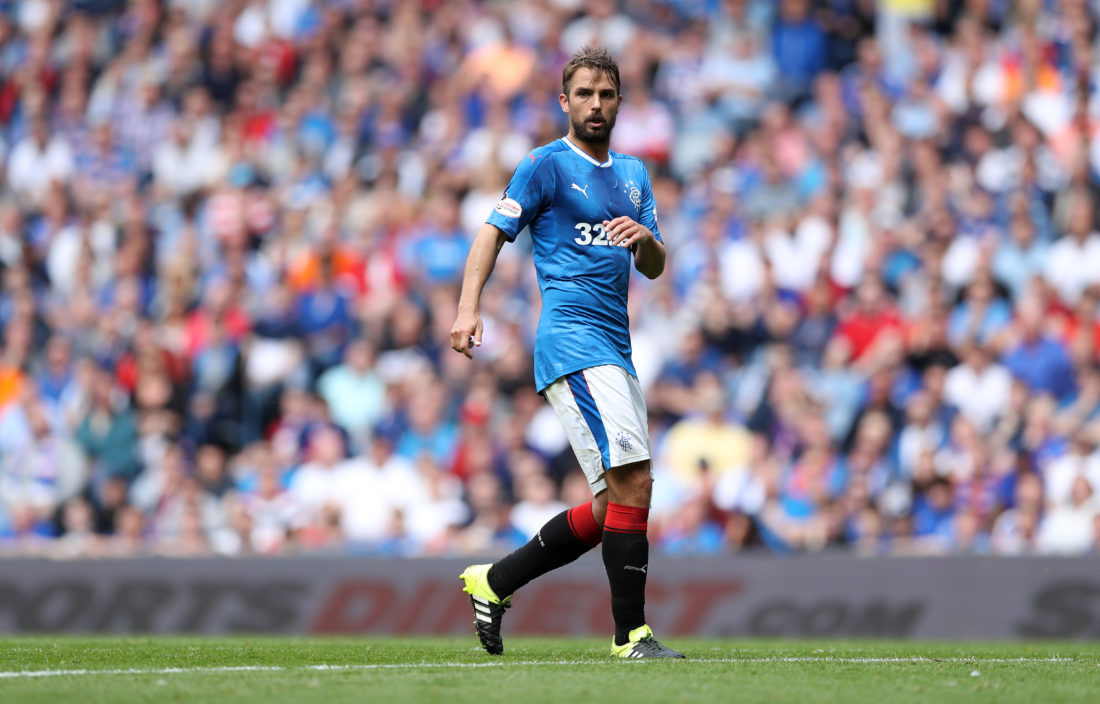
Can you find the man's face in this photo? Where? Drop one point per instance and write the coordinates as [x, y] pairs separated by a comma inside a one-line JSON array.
[[592, 105]]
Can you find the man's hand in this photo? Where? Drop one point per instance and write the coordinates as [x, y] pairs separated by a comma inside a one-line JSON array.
[[649, 253], [466, 332], [625, 232]]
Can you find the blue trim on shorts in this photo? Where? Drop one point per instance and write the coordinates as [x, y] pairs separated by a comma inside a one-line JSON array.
[[583, 395]]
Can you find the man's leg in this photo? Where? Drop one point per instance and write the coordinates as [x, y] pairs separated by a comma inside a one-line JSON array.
[[562, 540], [626, 559], [602, 410], [625, 546]]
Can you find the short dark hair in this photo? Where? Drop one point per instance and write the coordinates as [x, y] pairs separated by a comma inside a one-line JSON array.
[[595, 57]]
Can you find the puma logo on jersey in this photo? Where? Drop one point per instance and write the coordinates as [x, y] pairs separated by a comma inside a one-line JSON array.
[[641, 569], [582, 190], [532, 157]]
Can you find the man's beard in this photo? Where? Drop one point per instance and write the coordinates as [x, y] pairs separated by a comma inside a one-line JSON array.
[[586, 133]]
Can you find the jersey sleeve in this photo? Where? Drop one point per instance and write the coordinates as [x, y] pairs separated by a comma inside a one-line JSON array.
[[647, 213], [527, 192]]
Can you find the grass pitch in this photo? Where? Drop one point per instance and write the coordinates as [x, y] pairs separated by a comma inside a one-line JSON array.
[[455, 670]]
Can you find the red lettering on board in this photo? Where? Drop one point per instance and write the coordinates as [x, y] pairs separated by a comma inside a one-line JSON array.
[[550, 607], [412, 611], [555, 608], [457, 615], [355, 607], [697, 599]]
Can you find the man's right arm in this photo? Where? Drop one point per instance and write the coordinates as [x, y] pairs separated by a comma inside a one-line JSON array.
[[466, 332]]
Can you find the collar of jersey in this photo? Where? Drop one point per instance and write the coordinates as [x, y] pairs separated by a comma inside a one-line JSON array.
[[578, 150]]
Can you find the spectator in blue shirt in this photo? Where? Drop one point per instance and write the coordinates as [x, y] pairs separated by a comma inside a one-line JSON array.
[[428, 430], [437, 252], [693, 531], [934, 512], [105, 162], [798, 45], [55, 374], [1021, 257], [1039, 361], [327, 321], [979, 316]]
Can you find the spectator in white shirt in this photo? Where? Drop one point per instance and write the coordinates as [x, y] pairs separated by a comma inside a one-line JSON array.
[[1069, 529], [922, 433], [317, 484], [738, 81], [433, 519], [38, 161], [1079, 462], [979, 388], [538, 503], [373, 486], [11, 234], [601, 24], [741, 265], [645, 127], [1015, 530], [1072, 264], [795, 257], [181, 163]]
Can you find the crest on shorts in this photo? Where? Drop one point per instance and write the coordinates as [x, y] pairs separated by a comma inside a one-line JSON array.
[[624, 440]]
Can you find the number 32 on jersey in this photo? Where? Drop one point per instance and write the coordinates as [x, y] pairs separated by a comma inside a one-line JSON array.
[[585, 237]]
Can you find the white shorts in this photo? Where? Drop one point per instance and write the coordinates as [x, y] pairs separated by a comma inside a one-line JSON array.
[[603, 412]]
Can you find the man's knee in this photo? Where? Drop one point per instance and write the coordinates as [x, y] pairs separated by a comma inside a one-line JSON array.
[[599, 507], [641, 482], [630, 484]]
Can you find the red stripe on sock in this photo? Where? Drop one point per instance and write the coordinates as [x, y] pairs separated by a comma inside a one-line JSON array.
[[584, 526], [626, 519]]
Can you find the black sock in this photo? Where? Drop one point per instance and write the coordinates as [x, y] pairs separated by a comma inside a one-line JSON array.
[[626, 559], [564, 538]]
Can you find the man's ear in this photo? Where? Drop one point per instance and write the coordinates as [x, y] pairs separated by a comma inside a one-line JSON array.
[[564, 101]]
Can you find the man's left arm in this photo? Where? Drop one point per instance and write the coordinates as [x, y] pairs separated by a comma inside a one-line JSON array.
[[642, 235], [649, 253]]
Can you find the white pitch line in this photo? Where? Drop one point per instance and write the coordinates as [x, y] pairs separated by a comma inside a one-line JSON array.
[[30, 674]]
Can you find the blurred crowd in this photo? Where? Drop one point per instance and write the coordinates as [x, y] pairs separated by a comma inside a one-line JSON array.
[[232, 234]]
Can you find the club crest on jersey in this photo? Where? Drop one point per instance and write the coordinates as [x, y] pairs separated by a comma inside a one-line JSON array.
[[509, 208], [635, 195]]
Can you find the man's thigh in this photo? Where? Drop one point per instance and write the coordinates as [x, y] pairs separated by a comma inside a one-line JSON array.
[[604, 415]]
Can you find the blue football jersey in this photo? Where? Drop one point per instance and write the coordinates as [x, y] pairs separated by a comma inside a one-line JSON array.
[[564, 195]]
